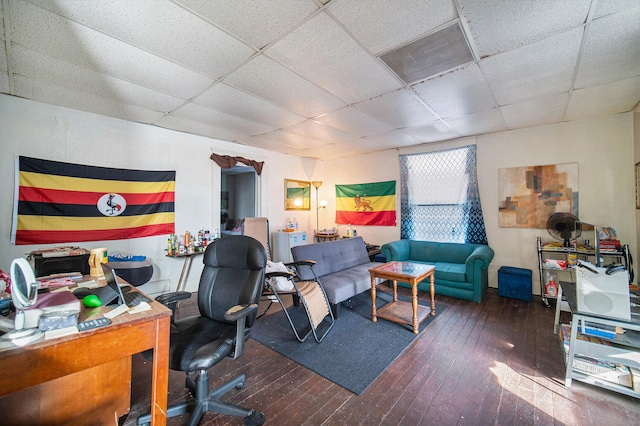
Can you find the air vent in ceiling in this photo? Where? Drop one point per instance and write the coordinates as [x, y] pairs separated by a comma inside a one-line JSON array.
[[431, 55]]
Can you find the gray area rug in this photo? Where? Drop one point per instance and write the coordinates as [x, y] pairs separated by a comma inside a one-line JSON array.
[[354, 353]]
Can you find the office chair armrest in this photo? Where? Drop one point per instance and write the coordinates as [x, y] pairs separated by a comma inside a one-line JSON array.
[[173, 297], [239, 314], [170, 300], [240, 311]]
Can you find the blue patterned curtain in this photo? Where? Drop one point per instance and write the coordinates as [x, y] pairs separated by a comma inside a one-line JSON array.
[[439, 197]]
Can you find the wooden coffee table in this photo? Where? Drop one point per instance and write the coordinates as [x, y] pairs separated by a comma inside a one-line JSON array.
[[398, 310]]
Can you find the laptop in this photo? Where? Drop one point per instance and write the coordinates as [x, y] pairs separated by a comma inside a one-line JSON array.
[[111, 294]]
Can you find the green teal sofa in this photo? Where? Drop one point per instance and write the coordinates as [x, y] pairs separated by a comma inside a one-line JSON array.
[[461, 269]]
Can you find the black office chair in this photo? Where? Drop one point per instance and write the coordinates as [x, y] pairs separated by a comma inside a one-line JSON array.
[[228, 296]]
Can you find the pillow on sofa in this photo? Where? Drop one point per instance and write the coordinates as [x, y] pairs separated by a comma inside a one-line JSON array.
[[279, 283]]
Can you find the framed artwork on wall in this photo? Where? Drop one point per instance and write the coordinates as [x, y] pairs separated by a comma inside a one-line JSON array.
[[297, 194], [529, 195]]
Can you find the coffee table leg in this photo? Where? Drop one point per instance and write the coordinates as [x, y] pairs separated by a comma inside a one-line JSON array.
[[414, 305], [374, 318], [432, 288], [395, 290]]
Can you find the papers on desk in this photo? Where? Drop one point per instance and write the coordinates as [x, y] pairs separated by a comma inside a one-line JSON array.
[[59, 332]]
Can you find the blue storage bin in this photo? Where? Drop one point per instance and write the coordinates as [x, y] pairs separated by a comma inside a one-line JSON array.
[[514, 283]]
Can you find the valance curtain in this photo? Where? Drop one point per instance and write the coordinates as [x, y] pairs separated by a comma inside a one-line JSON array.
[[440, 200], [228, 162]]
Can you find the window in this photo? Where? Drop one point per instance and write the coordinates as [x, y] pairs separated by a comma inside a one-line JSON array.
[[439, 198]]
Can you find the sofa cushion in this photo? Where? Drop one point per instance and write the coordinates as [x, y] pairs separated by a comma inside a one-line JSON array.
[[451, 271], [342, 285], [331, 256]]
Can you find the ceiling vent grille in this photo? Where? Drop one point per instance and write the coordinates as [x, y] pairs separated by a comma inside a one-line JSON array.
[[431, 55]]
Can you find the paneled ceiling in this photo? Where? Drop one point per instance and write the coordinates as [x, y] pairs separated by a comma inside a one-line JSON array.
[[304, 77]]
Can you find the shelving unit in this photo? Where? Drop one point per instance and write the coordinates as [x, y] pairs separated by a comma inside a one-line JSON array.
[[549, 250], [623, 350]]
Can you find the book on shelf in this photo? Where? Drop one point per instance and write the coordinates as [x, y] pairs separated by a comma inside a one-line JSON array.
[[635, 378], [614, 373], [565, 335], [599, 330]]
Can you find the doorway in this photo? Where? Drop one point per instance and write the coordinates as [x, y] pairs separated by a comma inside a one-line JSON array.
[[237, 198]]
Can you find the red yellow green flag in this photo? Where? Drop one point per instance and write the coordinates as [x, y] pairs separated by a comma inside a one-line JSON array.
[[62, 202], [367, 204]]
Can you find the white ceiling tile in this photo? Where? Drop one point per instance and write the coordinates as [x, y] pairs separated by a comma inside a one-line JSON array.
[[187, 125], [263, 142], [292, 140], [3, 55], [162, 28], [432, 132], [256, 22], [55, 36], [322, 51], [219, 119], [478, 123], [535, 112], [612, 50], [4, 82], [354, 122], [236, 102], [610, 98], [347, 149], [315, 130], [278, 84], [70, 98], [381, 24], [460, 92], [537, 70], [400, 109], [498, 26], [36, 66], [393, 139], [612, 6]]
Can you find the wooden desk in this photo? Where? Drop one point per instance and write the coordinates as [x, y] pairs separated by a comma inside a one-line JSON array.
[[69, 380], [396, 311]]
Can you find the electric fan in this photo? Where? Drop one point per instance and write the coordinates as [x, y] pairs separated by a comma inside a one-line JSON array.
[[562, 226]]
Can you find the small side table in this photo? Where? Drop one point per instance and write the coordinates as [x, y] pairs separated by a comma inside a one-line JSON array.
[[323, 236], [185, 268], [398, 310]]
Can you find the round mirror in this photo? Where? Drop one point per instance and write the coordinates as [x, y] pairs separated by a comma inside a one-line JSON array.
[[24, 290]]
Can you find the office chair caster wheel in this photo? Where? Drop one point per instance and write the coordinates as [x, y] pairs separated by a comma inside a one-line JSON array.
[[254, 419], [240, 385]]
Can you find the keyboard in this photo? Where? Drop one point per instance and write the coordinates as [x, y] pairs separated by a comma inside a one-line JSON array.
[[133, 298]]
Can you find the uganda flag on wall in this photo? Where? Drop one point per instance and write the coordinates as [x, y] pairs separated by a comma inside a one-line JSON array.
[[366, 204], [63, 202]]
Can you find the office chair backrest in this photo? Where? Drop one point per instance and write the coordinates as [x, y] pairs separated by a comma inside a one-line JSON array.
[[233, 274]]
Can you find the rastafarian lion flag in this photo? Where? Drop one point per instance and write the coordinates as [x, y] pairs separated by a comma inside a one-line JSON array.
[[58, 202], [366, 204]]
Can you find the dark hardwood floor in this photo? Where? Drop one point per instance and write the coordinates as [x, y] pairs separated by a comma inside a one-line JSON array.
[[497, 362]]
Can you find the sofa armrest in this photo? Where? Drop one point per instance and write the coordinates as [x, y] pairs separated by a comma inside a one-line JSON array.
[[479, 259], [396, 250]]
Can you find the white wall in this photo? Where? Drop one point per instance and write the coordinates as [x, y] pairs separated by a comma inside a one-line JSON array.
[[603, 149], [60, 134]]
